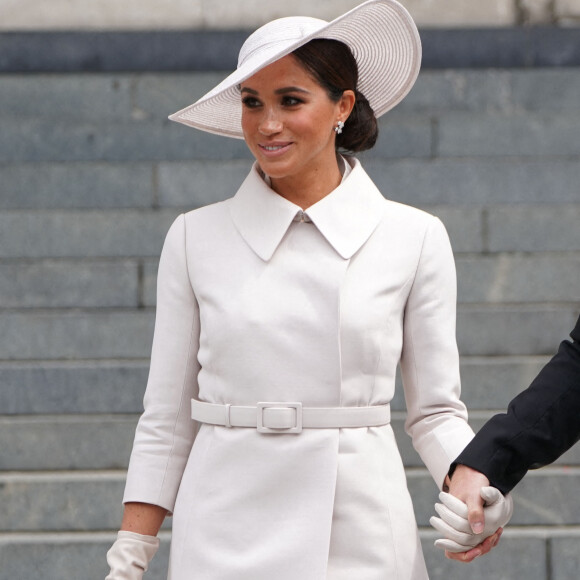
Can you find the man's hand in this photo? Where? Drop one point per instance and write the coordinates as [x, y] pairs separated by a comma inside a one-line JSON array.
[[465, 485]]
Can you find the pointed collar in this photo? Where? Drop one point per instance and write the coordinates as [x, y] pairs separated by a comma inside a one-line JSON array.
[[346, 217]]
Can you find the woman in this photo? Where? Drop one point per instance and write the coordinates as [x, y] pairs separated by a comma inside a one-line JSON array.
[[282, 315]]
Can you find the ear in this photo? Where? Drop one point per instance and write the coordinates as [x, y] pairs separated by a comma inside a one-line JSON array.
[[346, 103]]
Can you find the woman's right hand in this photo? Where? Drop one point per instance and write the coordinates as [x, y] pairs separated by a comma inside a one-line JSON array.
[[458, 535], [130, 555]]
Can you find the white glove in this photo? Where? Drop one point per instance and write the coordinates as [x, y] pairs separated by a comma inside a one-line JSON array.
[[454, 524], [130, 555]]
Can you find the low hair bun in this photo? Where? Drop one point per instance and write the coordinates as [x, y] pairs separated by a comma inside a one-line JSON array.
[[361, 129]]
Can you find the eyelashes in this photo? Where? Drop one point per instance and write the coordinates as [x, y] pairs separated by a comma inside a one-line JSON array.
[[291, 101], [250, 102], [286, 101]]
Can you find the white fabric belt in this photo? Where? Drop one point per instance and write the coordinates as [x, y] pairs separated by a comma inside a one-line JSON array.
[[289, 417]]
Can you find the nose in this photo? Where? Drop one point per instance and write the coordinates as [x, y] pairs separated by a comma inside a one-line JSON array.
[[270, 123]]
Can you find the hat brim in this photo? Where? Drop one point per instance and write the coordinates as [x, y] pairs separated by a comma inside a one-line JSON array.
[[382, 37]]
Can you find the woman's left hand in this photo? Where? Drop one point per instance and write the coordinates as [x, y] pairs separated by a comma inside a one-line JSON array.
[[479, 550]]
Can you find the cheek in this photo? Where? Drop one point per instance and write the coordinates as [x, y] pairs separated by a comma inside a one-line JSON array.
[[323, 121], [250, 132], [314, 126], [246, 124]]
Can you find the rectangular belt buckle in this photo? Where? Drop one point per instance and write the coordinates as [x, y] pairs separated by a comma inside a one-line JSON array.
[[283, 430]]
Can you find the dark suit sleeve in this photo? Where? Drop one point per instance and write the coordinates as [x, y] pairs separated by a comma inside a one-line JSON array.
[[541, 423]]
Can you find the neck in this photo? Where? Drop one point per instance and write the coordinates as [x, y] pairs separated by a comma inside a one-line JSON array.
[[309, 187]]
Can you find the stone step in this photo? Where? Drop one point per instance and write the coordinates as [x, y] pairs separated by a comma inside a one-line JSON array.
[[511, 228], [475, 181], [482, 330], [72, 284], [107, 98], [449, 135], [73, 387], [104, 98], [492, 382], [74, 334], [117, 386], [132, 232], [131, 283], [534, 554], [131, 185], [75, 555], [513, 330], [61, 501], [42, 140], [189, 184], [512, 135], [66, 442], [83, 234], [533, 228], [521, 554], [41, 186], [91, 501], [518, 278], [54, 556], [33, 443], [494, 90]]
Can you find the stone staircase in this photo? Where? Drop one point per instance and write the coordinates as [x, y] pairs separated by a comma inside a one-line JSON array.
[[91, 176]]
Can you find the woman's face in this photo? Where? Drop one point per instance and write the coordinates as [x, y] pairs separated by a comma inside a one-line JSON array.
[[288, 120]]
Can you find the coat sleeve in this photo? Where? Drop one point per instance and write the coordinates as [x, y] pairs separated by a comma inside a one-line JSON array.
[[541, 423], [436, 417], [165, 431]]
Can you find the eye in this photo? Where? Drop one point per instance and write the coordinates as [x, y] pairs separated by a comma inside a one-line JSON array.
[[289, 101], [250, 102]]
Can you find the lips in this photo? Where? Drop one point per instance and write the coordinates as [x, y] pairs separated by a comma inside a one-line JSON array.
[[274, 149]]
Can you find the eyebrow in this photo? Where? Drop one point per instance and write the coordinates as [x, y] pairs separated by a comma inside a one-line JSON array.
[[281, 91]]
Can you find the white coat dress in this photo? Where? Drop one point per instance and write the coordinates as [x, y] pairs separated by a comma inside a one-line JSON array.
[[260, 301]]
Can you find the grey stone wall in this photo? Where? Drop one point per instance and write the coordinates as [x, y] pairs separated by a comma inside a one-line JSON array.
[[92, 174], [218, 14]]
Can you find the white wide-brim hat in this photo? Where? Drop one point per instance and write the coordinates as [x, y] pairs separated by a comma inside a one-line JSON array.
[[380, 33]]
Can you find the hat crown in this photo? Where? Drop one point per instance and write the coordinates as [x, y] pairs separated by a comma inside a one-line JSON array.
[[278, 34]]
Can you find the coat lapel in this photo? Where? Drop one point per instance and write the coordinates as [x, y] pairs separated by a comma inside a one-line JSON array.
[[350, 214], [260, 215]]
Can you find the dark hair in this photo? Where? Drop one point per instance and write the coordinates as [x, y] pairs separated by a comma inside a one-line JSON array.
[[334, 67]]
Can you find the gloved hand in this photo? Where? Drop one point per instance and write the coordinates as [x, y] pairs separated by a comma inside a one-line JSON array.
[[130, 555], [453, 523]]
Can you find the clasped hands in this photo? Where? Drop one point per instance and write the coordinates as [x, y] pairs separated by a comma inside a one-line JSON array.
[[471, 515]]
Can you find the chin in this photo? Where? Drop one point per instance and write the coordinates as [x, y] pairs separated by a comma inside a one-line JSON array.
[[275, 169]]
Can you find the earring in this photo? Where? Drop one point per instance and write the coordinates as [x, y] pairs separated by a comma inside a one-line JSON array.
[[339, 127]]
